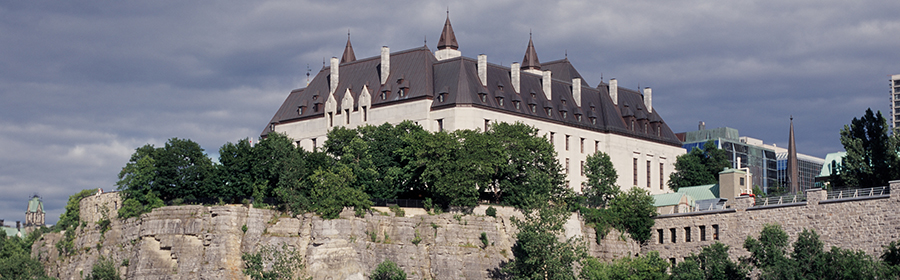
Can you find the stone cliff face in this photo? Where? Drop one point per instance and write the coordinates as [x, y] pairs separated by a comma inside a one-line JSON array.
[[207, 242]]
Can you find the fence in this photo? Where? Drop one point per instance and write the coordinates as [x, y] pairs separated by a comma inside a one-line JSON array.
[[852, 193], [776, 200], [414, 203]]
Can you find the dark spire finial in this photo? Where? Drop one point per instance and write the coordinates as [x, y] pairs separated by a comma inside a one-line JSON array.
[[348, 55], [793, 171], [531, 59], [448, 38]]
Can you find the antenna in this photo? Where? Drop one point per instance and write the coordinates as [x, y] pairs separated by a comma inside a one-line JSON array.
[[307, 74]]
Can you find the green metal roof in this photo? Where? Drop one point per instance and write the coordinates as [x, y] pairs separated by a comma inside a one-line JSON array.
[[35, 204], [837, 157], [10, 231], [702, 192], [667, 199]]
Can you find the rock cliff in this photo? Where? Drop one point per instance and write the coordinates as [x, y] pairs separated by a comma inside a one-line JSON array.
[[207, 242]]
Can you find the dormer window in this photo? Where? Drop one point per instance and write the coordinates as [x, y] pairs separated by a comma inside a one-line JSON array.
[[564, 114], [384, 95], [516, 103], [500, 101], [300, 110], [548, 111], [315, 97], [441, 97], [533, 108], [593, 120], [578, 117], [563, 102], [483, 97], [401, 92]]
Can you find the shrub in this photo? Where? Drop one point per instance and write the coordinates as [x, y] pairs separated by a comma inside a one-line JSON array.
[[388, 270], [491, 211], [484, 239], [397, 211]]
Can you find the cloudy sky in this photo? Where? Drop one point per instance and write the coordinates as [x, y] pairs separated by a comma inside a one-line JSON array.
[[82, 84]]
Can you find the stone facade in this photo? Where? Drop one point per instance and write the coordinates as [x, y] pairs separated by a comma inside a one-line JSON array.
[[865, 223]]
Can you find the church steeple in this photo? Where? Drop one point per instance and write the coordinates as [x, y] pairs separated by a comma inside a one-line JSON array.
[[531, 63], [793, 172], [348, 56], [447, 47], [448, 39]]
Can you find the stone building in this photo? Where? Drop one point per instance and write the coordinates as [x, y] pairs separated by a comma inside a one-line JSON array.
[[34, 215], [444, 90]]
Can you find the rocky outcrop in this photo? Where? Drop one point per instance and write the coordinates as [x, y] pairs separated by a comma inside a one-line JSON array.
[[207, 242]]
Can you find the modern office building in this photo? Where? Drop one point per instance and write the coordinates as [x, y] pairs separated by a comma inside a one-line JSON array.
[[895, 103], [809, 167], [760, 161], [443, 90]]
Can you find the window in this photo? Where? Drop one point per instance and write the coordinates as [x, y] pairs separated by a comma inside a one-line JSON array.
[[578, 118], [593, 120], [687, 234], [648, 174], [300, 110], [440, 125], [634, 172], [567, 142], [487, 124], [672, 260], [516, 103], [702, 233], [673, 234], [661, 177], [551, 137], [500, 101], [596, 146], [564, 114], [582, 168], [365, 111], [330, 119], [548, 111], [533, 108], [347, 114], [582, 145], [567, 165], [742, 181], [659, 234], [314, 144], [383, 95], [441, 97], [483, 97], [715, 232]]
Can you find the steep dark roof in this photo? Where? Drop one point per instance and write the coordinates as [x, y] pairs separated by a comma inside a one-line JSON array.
[[448, 39], [417, 71], [531, 59], [348, 56]]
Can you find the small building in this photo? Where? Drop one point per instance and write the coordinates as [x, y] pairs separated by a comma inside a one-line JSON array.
[[732, 183], [12, 231], [34, 215], [672, 203]]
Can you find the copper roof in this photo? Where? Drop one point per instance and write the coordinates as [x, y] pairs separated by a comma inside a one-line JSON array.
[[448, 39], [348, 56], [531, 59]]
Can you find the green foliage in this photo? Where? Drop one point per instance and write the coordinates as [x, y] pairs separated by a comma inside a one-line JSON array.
[[271, 262], [417, 239], [712, 263], [484, 239], [529, 175], [698, 167], [104, 225], [388, 270], [16, 261], [649, 266], [538, 252], [688, 269], [600, 186], [398, 212], [71, 217], [634, 211], [769, 250], [491, 211], [104, 269], [872, 158], [332, 190], [244, 228]]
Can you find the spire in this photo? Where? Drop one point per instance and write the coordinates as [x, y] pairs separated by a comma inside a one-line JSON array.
[[448, 39], [793, 173], [348, 51], [530, 62]]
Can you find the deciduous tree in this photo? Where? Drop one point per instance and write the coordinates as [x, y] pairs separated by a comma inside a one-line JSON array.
[[873, 157]]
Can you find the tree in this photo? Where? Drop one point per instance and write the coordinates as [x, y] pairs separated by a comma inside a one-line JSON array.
[[716, 264], [872, 156], [16, 261], [648, 266], [531, 175], [769, 250], [600, 186], [104, 269], [538, 252], [388, 270], [333, 189], [699, 167], [634, 211]]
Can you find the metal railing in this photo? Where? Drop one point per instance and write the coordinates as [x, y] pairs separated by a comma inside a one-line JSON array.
[[853, 193], [776, 200], [399, 202]]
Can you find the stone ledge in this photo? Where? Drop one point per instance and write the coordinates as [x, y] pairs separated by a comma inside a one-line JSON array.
[[855, 198], [763, 207], [698, 213]]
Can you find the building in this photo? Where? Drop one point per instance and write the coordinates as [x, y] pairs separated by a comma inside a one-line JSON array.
[[832, 166], [444, 90], [759, 160], [808, 166], [34, 213], [895, 103]]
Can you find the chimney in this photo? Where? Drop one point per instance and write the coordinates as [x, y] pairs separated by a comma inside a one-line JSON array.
[[614, 90], [576, 91], [702, 126], [1, 222], [514, 74], [18, 225], [385, 63], [548, 84], [482, 69], [648, 99], [334, 74]]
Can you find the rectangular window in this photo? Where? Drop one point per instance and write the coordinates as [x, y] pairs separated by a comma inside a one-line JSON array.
[[347, 115], [596, 146], [715, 232], [330, 119], [659, 234], [582, 168], [582, 145], [635, 172], [487, 123], [365, 111], [648, 174], [673, 235], [702, 233], [440, 125], [551, 138], [661, 178], [314, 144], [687, 234], [567, 142], [567, 165]]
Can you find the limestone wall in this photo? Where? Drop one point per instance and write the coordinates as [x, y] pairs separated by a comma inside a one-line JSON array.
[[865, 224], [206, 242]]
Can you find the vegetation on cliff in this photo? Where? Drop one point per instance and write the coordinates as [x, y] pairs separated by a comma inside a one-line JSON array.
[[15, 257]]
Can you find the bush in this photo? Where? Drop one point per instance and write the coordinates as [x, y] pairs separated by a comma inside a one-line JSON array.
[[397, 211], [484, 239], [491, 211], [388, 270], [104, 269]]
